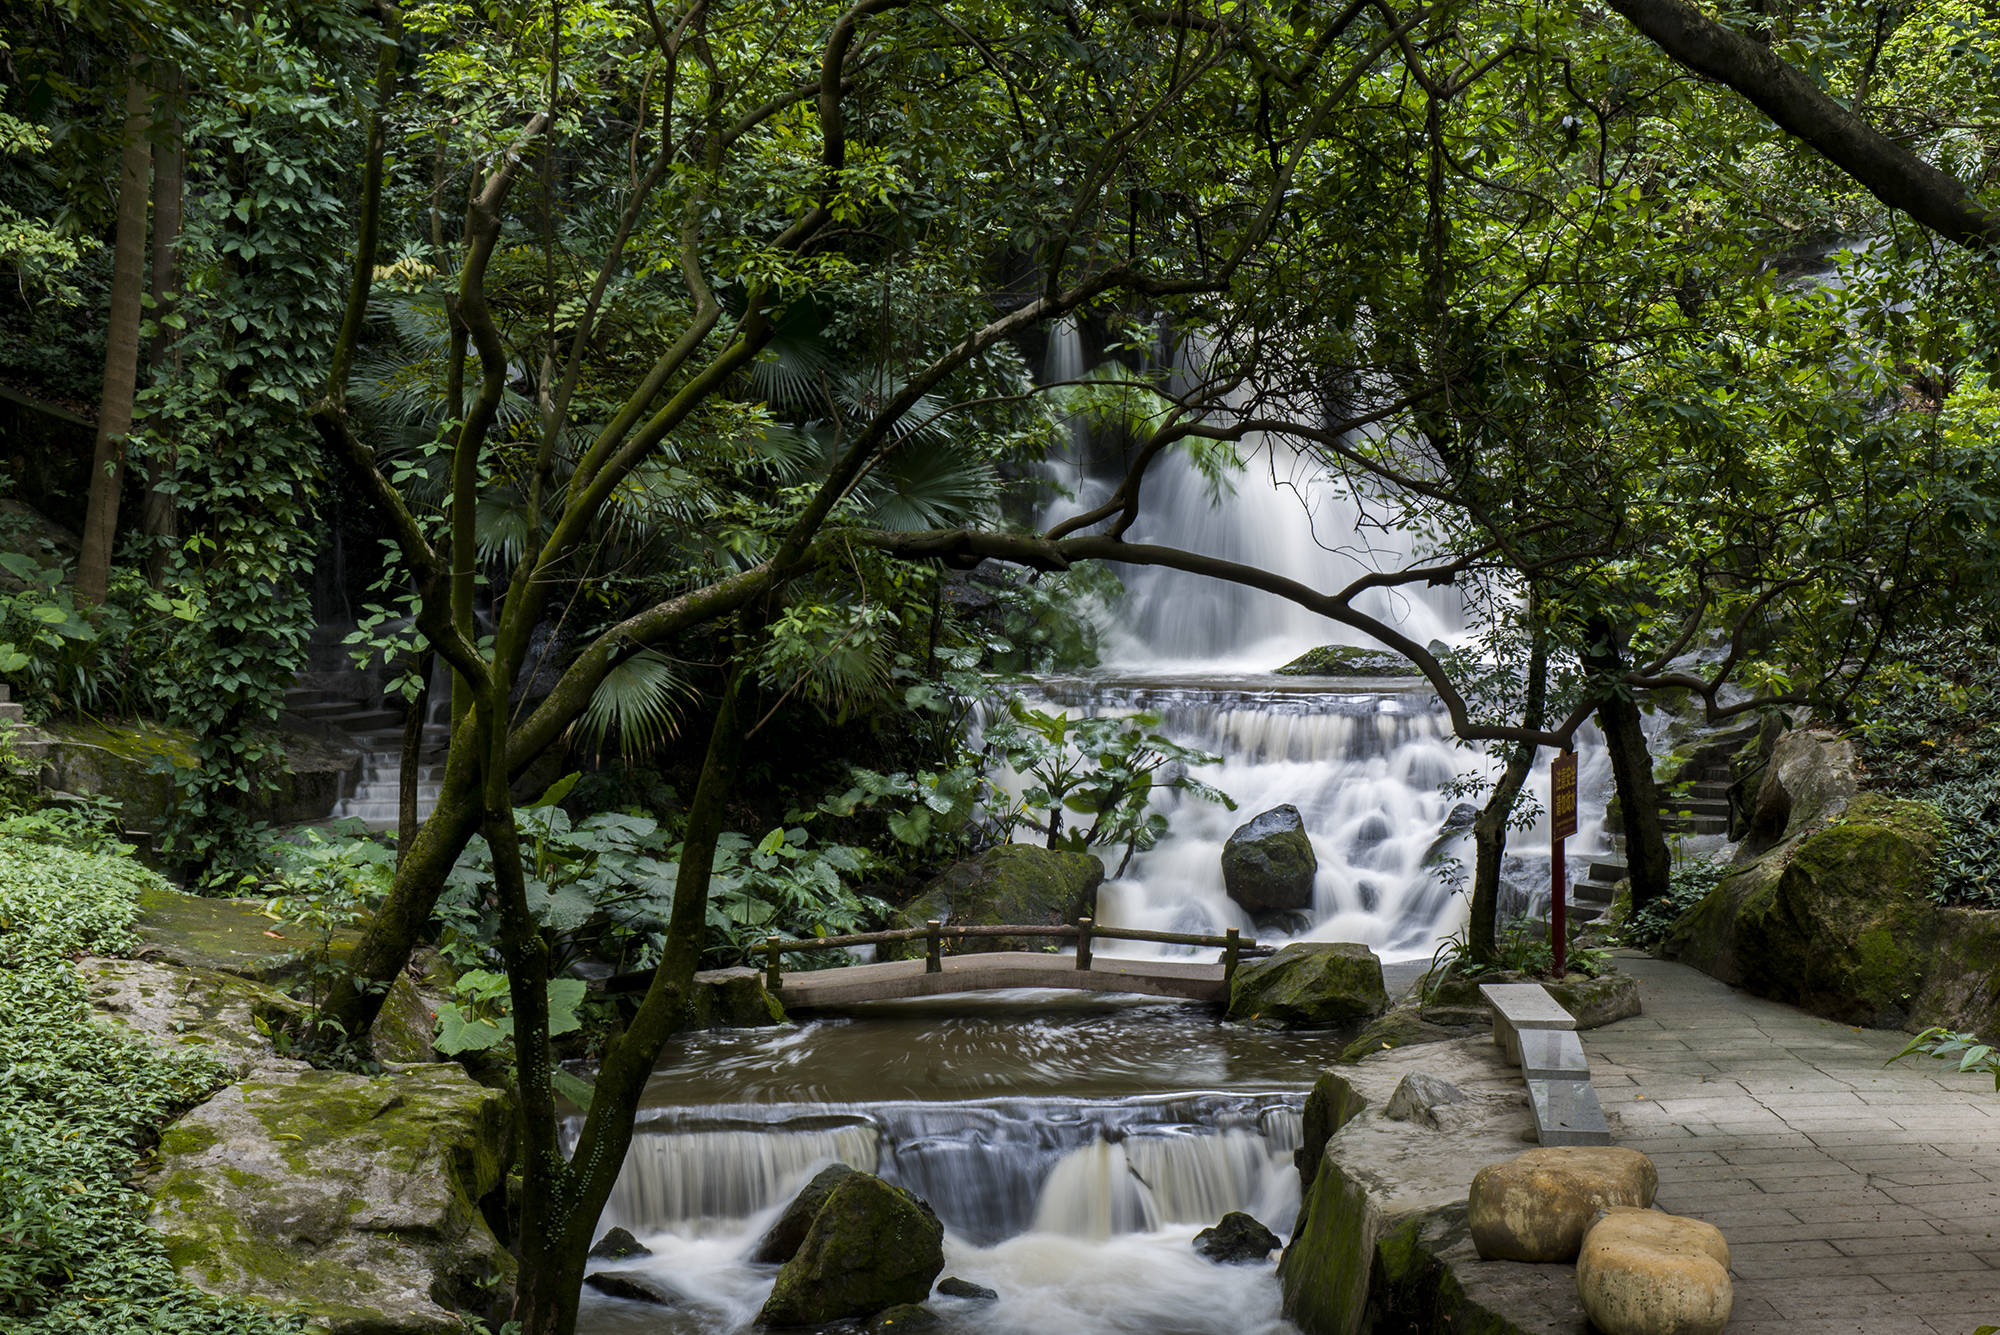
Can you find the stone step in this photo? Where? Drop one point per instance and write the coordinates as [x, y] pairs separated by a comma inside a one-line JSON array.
[[1592, 892], [1608, 871], [12, 711], [1553, 1054], [360, 720], [1710, 791], [6, 692], [1582, 915], [1694, 825], [1694, 806], [1567, 1113]]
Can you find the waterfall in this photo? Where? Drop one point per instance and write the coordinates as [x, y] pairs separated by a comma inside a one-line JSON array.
[[991, 1169], [715, 1180], [1369, 765]]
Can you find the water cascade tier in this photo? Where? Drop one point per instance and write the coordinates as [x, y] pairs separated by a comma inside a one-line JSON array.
[[1080, 1211]]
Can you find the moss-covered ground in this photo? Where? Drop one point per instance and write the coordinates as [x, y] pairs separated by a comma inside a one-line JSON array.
[[80, 1105]]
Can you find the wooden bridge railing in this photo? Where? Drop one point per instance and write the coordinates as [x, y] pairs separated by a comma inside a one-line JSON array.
[[935, 933]]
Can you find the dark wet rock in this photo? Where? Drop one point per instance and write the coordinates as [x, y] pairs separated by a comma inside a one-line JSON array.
[[618, 1245], [1237, 1240], [633, 1288], [954, 1287], [1310, 984], [904, 1316], [872, 1246], [781, 1242], [1268, 865]]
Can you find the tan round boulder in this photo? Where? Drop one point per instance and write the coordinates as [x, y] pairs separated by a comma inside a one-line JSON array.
[[1642, 1272], [1538, 1206]]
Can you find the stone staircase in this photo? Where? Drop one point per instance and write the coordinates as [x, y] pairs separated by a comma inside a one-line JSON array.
[[375, 728], [1697, 803], [11, 712]]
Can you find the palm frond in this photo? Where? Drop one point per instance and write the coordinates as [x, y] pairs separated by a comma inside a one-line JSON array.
[[923, 485], [639, 702]]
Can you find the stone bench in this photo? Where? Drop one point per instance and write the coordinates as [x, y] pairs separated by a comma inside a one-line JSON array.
[[1522, 1006], [1552, 1054], [1539, 1036]]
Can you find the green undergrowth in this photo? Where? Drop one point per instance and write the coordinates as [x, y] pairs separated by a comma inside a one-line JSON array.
[[1928, 733], [79, 1105]]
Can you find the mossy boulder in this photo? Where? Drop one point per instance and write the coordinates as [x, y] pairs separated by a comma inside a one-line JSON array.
[[872, 1246], [1839, 922], [1268, 864], [781, 1242], [227, 1017], [136, 764], [1402, 1026], [1593, 999], [1310, 985], [1010, 884], [1332, 1104], [357, 1198], [1348, 660], [732, 999], [132, 764], [229, 936]]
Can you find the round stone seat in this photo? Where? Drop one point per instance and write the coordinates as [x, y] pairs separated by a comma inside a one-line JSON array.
[[1537, 1206], [1644, 1272]]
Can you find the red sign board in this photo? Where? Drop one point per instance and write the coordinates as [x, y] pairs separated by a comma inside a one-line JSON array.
[[1562, 795]]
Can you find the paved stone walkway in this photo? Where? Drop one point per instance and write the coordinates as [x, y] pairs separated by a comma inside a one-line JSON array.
[[1857, 1199]]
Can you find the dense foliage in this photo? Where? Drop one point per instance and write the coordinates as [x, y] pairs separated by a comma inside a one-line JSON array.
[[1929, 732]]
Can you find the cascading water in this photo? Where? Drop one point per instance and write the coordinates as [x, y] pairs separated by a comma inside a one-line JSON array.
[[1080, 1210], [1367, 763], [1072, 1148]]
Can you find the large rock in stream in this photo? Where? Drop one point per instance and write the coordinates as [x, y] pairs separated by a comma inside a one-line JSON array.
[[1310, 985], [1268, 865], [356, 1197], [1012, 884], [871, 1247]]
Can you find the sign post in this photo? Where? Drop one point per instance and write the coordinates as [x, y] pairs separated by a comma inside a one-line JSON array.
[[1562, 824]]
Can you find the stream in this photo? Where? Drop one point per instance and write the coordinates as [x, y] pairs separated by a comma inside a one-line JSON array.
[[1073, 1145]]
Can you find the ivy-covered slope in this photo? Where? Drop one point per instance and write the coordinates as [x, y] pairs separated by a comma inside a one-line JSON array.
[[79, 1105]]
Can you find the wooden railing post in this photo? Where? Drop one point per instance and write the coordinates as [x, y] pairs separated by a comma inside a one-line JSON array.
[[934, 947], [1083, 926], [772, 981], [1232, 946]]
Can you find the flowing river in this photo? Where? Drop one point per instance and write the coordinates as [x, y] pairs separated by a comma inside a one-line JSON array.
[[1074, 1145]]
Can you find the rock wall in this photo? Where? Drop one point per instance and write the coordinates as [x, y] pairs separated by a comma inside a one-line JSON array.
[[1829, 906], [1380, 1244]]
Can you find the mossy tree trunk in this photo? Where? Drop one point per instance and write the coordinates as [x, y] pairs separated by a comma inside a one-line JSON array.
[[562, 1197], [1646, 857], [121, 340], [1489, 830]]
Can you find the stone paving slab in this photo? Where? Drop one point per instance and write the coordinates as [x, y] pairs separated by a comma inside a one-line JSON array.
[[1857, 1198]]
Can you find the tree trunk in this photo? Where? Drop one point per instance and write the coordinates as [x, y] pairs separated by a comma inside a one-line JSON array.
[[562, 1200], [160, 517], [1489, 831], [1646, 855], [356, 995], [413, 754], [121, 344]]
